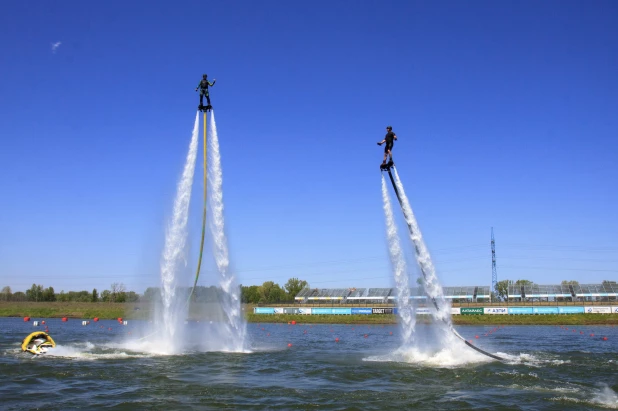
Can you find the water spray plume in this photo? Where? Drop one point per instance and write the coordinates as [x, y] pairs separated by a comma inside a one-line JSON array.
[[432, 286], [236, 326], [173, 258], [406, 311]]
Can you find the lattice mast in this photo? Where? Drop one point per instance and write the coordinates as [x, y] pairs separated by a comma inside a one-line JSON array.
[[494, 272]]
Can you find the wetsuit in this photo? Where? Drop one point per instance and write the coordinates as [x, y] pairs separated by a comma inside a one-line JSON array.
[[390, 141], [203, 86]]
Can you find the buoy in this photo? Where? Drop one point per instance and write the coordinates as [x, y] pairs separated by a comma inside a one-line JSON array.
[[43, 322], [64, 319], [95, 319], [365, 335], [336, 339], [268, 335], [119, 319], [391, 333], [581, 332], [604, 338], [289, 344], [476, 336], [26, 319], [592, 335], [109, 329], [293, 322]]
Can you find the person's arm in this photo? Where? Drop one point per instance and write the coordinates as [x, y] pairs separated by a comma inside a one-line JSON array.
[[395, 136], [381, 142], [213, 83], [198, 85]]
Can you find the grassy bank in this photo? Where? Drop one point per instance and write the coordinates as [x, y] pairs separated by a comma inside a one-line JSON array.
[[74, 310], [143, 311]]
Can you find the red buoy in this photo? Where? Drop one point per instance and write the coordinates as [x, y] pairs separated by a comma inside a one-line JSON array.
[[293, 322], [43, 322], [289, 344], [604, 338], [65, 319], [476, 336], [26, 319], [96, 319], [336, 339], [119, 319]]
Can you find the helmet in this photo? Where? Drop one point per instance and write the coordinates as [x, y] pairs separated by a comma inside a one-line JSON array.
[[389, 127], [205, 75]]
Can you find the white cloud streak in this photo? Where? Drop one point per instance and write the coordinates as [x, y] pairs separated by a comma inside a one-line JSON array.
[[54, 46]]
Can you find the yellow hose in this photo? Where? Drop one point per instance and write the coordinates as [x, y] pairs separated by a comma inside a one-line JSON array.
[[199, 261]]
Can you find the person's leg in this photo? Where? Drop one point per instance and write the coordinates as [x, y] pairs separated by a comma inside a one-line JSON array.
[[208, 98], [201, 98]]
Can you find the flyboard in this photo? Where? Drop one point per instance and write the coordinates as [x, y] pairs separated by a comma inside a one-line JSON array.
[[387, 167]]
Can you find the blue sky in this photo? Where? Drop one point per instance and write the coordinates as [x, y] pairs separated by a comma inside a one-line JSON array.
[[506, 114]]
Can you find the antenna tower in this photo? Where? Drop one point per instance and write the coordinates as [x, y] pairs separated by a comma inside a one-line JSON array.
[[494, 272]]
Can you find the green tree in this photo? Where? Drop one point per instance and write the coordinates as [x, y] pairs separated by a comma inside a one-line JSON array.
[[95, 295], [35, 293], [270, 292], [523, 282], [249, 294], [49, 294], [502, 288], [5, 294], [62, 297], [105, 296], [19, 296], [293, 287], [572, 282]]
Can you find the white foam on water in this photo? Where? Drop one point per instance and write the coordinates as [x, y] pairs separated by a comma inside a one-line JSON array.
[[604, 397], [89, 351]]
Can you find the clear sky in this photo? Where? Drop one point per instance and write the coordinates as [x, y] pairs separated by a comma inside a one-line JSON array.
[[506, 113]]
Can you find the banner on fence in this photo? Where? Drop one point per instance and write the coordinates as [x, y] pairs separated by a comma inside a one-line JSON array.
[[264, 310], [342, 311], [366, 310], [321, 310], [545, 310], [496, 310], [455, 310], [571, 310], [382, 311], [598, 310], [520, 310], [304, 311], [472, 310]]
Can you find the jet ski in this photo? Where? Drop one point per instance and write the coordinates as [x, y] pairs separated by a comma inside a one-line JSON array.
[[37, 343]]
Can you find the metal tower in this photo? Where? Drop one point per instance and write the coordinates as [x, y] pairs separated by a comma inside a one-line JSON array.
[[494, 272]]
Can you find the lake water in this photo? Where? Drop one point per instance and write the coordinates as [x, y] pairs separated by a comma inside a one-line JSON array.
[[104, 366]]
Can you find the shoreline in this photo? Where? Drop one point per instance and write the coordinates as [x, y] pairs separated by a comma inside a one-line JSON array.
[[107, 311]]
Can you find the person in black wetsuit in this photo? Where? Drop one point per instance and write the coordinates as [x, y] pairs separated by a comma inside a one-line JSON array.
[[203, 86], [389, 139]]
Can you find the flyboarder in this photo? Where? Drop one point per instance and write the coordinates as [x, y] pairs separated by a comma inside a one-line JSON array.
[[203, 87], [388, 150]]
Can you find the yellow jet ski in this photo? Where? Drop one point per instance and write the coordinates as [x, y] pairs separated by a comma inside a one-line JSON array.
[[37, 343]]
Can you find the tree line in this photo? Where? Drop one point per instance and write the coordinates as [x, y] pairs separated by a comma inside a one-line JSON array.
[[268, 292], [38, 293]]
